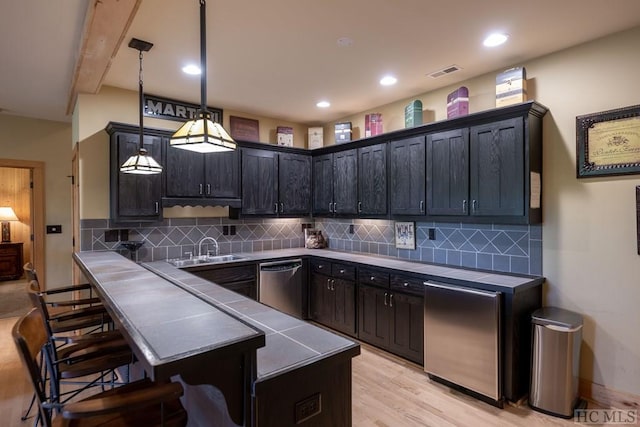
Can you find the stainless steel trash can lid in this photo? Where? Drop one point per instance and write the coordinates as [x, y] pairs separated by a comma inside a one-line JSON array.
[[557, 317]]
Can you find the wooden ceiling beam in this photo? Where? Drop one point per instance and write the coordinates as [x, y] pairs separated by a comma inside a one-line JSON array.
[[105, 25]]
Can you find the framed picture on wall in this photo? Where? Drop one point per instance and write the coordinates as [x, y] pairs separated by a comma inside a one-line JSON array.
[[608, 143], [405, 235], [638, 216]]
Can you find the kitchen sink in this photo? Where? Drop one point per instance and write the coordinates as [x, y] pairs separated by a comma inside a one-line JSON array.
[[204, 259]]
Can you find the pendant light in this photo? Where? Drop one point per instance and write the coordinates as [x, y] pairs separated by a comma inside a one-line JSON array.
[[201, 134], [141, 163]]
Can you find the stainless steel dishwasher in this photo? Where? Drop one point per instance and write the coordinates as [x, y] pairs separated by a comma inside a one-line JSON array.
[[462, 339], [280, 286]]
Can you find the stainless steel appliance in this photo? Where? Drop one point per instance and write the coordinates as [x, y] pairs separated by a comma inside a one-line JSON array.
[[462, 338], [280, 286]]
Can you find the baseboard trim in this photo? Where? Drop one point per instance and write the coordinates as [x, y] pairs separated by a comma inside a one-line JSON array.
[[606, 397]]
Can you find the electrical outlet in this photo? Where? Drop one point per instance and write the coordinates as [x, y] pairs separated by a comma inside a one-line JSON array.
[[111, 235], [232, 230], [307, 408], [351, 229], [225, 230], [432, 234]]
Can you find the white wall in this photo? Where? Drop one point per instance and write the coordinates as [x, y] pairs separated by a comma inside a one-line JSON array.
[[590, 255]]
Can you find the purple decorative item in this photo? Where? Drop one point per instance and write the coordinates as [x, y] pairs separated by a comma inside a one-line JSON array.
[[458, 103]]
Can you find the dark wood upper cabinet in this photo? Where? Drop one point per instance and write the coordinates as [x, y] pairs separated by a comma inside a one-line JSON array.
[[335, 183], [323, 184], [133, 197], [275, 183], [345, 178], [294, 183], [498, 169], [448, 173], [205, 179], [372, 180], [407, 176], [259, 182]]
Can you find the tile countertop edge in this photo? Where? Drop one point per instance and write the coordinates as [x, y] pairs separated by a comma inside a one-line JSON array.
[[460, 276]]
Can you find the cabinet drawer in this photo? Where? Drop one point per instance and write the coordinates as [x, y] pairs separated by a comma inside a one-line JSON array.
[[343, 271], [321, 266], [12, 251], [410, 285], [372, 276]]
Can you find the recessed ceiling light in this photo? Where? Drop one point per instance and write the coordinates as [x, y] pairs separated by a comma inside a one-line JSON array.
[[323, 104], [191, 69], [388, 81], [495, 39], [345, 42]]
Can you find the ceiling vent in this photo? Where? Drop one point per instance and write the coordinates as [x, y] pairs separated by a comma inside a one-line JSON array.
[[443, 72]]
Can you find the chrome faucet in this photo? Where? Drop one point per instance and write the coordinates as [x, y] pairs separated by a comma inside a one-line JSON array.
[[207, 239]]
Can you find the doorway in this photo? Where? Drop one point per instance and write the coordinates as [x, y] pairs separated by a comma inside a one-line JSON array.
[[22, 188]]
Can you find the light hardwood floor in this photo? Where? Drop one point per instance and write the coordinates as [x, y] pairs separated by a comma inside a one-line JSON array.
[[387, 392]]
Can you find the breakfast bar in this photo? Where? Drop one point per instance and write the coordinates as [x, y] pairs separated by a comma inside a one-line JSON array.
[[266, 365]]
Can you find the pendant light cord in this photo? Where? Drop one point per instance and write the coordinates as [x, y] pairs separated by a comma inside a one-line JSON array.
[[203, 55], [141, 102]]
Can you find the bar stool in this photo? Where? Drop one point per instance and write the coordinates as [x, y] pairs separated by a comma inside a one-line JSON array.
[[142, 403]]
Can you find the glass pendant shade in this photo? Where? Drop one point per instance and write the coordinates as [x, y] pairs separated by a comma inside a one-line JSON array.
[[141, 164], [202, 135]]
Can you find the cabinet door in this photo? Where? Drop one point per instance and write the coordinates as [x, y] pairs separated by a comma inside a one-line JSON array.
[[448, 173], [497, 168], [407, 326], [259, 182], [320, 299], [323, 184], [407, 176], [345, 187], [137, 197], [373, 316], [344, 307], [372, 180], [184, 173], [294, 182], [222, 174]]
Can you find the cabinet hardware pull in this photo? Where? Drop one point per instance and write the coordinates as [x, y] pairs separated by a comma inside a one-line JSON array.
[[157, 207], [333, 284], [372, 278], [208, 189], [421, 205], [330, 205], [342, 271], [385, 298], [320, 267], [359, 206], [335, 207], [405, 284], [281, 207], [464, 206], [200, 189], [391, 300], [328, 284], [276, 207], [474, 206]]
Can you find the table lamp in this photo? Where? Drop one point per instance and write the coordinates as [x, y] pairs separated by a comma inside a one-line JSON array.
[[7, 214]]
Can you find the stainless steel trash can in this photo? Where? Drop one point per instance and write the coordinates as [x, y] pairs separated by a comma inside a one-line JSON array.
[[557, 335]]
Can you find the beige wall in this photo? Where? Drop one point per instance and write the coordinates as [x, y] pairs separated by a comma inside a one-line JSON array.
[[590, 256], [48, 142]]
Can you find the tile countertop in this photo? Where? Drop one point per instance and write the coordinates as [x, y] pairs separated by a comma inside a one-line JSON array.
[[480, 279], [290, 342]]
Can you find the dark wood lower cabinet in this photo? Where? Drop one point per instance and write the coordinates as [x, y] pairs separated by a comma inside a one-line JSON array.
[[240, 279], [10, 261], [392, 321], [333, 303]]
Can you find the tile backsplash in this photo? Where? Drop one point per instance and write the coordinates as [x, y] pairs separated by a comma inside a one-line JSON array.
[[176, 237], [505, 248]]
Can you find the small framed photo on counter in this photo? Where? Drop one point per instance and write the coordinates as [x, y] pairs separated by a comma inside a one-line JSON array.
[[405, 235]]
